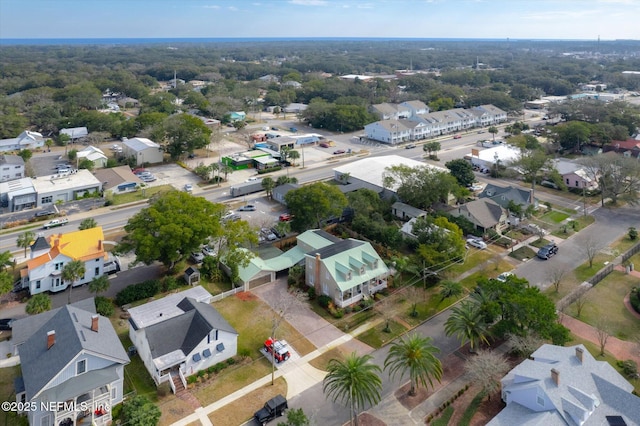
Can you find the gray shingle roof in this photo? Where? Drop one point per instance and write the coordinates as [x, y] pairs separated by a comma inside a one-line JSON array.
[[486, 212], [587, 389], [11, 159], [502, 195], [185, 331], [73, 335]]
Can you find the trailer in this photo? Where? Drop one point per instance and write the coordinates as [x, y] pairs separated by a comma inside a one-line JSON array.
[[246, 188]]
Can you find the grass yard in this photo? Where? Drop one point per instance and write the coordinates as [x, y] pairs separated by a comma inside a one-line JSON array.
[[230, 380], [321, 362], [241, 410], [554, 216], [140, 195], [172, 409], [524, 252], [252, 320], [7, 375], [584, 271], [474, 258], [604, 305], [376, 337], [539, 243]]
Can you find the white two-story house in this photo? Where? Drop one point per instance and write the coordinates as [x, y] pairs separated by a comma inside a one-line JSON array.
[[179, 335], [72, 367], [48, 257]]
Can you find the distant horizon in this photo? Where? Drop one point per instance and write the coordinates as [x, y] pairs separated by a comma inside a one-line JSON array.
[[562, 20], [157, 40]]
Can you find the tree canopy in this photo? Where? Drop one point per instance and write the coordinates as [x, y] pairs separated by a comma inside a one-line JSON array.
[[174, 225], [312, 204], [421, 186]]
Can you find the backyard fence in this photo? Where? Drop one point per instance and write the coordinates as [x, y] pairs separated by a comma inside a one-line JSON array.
[[231, 292]]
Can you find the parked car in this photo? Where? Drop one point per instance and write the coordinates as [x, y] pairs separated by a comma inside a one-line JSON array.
[[477, 243], [339, 151], [277, 233], [324, 145], [188, 187], [410, 146], [548, 251], [503, 276], [284, 217], [247, 208], [197, 257], [476, 187], [457, 136], [111, 267], [208, 251], [6, 323], [273, 408], [278, 349], [481, 131], [147, 179]]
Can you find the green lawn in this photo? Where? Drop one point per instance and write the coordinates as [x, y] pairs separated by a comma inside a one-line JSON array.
[[554, 216], [140, 194], [604, 306], [540, 242], [252, 320], [376, 337], [524, 252], [584, 271]]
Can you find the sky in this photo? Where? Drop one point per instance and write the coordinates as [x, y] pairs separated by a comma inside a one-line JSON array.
[[497, 19]]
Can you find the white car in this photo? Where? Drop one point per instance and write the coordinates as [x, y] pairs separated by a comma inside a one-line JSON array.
[[188, 187], [503, 276], [477, 243], [197, 257]]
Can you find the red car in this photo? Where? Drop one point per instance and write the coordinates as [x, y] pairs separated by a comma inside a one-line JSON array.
[[278, 349], [285, 217], [338, 151], [324, 145], [457, 136]]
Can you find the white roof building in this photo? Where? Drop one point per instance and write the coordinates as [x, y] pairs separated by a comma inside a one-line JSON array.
[[93, 154], [65, 187]]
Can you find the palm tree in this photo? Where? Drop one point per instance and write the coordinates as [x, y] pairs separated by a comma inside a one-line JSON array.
[[353, 382], [72, 272], [467, 323], [6, 259], [294, 155], [226, 170], [214, 169], [450, 288], [24, 241], [88, 223], [493, 130], [268, 184], [99, 284], [417, 356]]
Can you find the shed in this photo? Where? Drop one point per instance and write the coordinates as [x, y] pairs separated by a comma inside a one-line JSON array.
[[192, 275]]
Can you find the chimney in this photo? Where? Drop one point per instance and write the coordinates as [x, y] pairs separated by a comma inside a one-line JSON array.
[[94, 322], [99, 244], [579, 353], [51, 338], [316, 284], [555, 376]]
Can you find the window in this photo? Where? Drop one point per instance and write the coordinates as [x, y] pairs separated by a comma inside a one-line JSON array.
[[577, 184], [97, 271], [81, 366], [46, 200], [38, 284], [59, 266], [114, 393]]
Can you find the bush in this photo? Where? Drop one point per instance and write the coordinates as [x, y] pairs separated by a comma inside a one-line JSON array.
[[324, 300], [104, 306], [634, 298], [311, 293], [137, 292], [629, 368], [170, 283], [244, 352]]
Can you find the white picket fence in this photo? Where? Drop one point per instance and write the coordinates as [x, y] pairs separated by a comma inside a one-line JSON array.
[[226, 294]]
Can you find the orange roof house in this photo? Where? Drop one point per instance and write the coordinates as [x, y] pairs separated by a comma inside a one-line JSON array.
[[44, 270]]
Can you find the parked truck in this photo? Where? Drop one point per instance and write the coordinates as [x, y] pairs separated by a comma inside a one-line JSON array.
[[55, 223], [246, 188], [278, 349], [273, 408]]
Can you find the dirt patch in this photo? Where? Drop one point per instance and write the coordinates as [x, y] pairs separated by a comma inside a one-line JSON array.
[[487, 410], [366, 419], [246, 296], [411, 401], [452, 367]]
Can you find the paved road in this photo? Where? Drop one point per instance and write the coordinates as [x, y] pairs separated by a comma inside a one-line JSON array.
[[322, 411]]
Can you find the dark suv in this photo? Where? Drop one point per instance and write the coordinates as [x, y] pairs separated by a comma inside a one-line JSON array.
[[272, 408], [548, 251]]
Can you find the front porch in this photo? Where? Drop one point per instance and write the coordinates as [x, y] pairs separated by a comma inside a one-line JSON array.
[[91, 408], [359, 291]]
